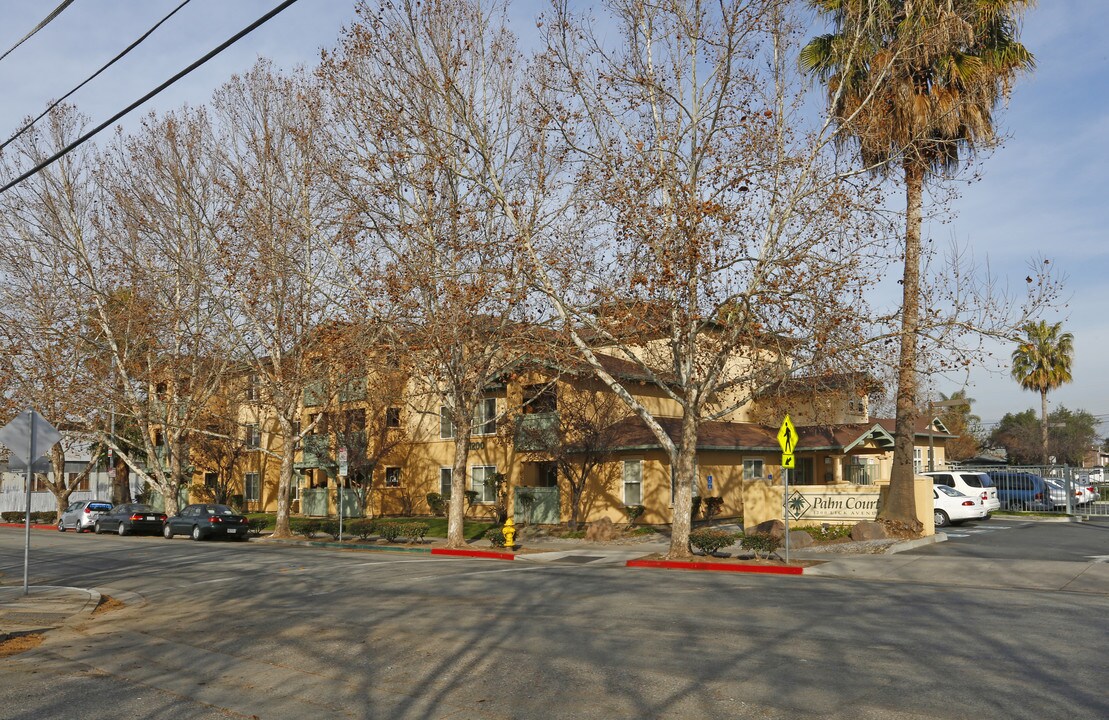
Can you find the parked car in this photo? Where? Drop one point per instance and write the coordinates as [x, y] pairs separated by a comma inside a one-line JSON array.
[[970, 483], [953, 507], [1057, 489], [205, 520], [81, 515], [1021, 490], [131, 519]]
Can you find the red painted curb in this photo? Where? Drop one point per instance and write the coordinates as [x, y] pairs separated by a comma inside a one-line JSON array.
[[474, 553], [33, 526], [719, 567]]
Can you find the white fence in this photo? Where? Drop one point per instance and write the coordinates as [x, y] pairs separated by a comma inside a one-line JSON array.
[[13, 493]]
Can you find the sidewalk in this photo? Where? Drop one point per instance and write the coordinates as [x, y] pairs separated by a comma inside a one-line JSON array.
[[44, 608]]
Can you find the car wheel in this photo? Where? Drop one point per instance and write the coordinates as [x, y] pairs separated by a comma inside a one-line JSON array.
[[167, 532], [61, 526], [196, 533], [122, 530], [96, 528], [987, 516], [941, 519]]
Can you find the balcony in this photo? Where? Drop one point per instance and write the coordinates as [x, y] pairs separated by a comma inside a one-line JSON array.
[[858, 474], [315, 452], [537, 432]]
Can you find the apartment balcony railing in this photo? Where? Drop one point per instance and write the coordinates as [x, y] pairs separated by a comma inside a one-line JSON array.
[[537, 432]]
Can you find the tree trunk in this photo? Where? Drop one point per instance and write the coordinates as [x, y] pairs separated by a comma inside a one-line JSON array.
[[685, 470], [285, 481], [121, 483], [61, 488], [456, 536], [1043, 424], [901, 503]]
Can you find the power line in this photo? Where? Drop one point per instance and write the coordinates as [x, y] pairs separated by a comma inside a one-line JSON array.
[[86, 81], [45, 21], [90, 134]]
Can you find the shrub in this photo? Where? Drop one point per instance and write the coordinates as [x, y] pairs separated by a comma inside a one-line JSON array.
[[389, 530], [362, 528], [414, 531], [44, 517], [495, 537], [709, 540], [695, 507], [761, 544], [828, 532], [255, 526], [331, 528], [713, 506], [308, 528], [437, 504], [12, 517], [634, 512], [471, 497]]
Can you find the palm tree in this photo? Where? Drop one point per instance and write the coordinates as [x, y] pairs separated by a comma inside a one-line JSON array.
[[913, 83], [1042, 362]]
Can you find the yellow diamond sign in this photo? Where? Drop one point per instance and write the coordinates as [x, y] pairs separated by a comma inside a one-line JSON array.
[[787, 437]]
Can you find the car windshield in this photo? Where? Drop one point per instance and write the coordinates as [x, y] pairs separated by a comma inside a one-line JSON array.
[[219, 510], [100, 506], [141, 508], [983, 479], [949, 491]]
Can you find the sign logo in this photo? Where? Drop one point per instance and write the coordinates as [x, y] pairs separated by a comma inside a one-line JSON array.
[[798, 505]]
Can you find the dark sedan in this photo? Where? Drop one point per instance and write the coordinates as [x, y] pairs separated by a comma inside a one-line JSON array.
[[206, 520], [133, 518]]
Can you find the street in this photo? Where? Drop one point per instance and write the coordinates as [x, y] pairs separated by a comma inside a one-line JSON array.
[[233, 630]]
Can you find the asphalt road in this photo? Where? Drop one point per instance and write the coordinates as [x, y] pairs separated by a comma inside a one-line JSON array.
[[234, 630], [1024, 540]]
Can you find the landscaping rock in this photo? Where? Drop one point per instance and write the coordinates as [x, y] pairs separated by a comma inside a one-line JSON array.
[[868, 530], [799, 539], [602, 530], [774, 528]]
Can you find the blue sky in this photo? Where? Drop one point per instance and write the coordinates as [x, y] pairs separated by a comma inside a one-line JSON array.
[[1040, 194]]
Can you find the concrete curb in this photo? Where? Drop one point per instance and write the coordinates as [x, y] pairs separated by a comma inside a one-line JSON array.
[[717, 567], [33, 526], [487, 554], [919, 542], [341, 546]]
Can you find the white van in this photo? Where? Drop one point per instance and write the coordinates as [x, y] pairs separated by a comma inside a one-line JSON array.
[[974, 484]]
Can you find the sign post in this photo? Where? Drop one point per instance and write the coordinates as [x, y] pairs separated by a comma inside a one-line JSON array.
[[787, 440], [344, 468], [28, 436]]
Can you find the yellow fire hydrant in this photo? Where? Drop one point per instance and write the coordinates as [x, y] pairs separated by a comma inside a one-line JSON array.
[[509, 532]]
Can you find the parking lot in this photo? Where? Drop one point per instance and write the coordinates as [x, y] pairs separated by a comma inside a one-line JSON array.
[[1018, 539]]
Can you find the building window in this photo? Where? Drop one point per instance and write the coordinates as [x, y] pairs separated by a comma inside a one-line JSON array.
[[918, 460], [392, 477], [481, 482], [633, 482], [211, 480], [540, 399], [252, 387], [298, 483], [803, 473], [485, 417], [753, 469], [253, 487], [253, 436], [446, 425], [392, 417], [445, 475]]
